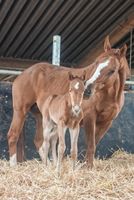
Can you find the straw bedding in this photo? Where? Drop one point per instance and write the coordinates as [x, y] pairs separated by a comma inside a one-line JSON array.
[[109, 180]]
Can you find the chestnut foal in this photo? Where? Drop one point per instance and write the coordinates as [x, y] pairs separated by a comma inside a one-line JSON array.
[[59, 113]]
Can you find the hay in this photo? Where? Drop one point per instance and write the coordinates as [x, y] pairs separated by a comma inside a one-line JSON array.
[[109, 180]]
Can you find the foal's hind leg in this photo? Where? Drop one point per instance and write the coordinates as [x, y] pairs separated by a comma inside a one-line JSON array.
[[14, 133], [47, 127]]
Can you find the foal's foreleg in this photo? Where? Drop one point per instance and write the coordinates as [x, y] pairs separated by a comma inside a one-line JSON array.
[[89, 125], [53, 142], [14, 133], [61, 146], [74, 133]]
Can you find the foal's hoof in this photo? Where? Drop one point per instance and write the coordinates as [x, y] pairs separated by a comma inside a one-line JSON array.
[[89, 165], [58, 173]]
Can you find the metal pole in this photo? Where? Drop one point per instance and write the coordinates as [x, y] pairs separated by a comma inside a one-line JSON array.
[[56, 50], [131, 42], [10, 72]]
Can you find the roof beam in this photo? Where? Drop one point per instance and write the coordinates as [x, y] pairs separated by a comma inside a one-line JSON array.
[[16, 64], [121, 30]]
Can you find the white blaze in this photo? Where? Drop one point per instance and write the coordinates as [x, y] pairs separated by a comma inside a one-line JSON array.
[[96, 73], [77, 86]]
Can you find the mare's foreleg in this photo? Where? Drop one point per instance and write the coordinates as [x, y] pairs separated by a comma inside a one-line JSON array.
[[101, 130], [14, 133], [74, 133], [38, 139], [20, 147]]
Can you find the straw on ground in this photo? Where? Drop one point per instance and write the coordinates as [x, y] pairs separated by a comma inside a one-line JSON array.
[[109, 180]]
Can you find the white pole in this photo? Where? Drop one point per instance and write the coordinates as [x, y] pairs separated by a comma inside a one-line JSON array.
[[56, 50]]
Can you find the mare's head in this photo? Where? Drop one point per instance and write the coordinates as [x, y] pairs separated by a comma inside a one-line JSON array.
[[76, 91], [109, 65]]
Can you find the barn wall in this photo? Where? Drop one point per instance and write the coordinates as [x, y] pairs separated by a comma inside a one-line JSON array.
[[120, 134]]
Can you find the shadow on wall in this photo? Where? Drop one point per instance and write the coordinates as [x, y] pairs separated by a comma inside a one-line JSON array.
[[120, 134]]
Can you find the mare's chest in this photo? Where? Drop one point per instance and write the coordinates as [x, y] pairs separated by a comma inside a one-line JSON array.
[[104, 110], [107, 111]]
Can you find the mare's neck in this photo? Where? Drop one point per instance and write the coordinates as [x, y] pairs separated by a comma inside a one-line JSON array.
[[109, 92], [116, 90], [122, 79]]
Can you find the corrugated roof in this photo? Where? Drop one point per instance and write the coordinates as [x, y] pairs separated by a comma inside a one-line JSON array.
[[27, 27]]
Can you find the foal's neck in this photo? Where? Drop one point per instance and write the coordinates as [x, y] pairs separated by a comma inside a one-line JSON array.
[[68, 100]]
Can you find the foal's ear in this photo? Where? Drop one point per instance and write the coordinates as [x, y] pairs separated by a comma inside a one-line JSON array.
[[123, 50], [107, 45], [71, 77]]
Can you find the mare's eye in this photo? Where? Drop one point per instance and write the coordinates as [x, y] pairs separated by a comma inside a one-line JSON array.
[[111, 72]]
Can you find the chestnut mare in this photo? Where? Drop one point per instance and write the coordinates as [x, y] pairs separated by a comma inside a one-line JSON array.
[[41, 80], [60, 112]]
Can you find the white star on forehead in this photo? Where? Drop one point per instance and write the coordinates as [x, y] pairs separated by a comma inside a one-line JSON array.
[[76, 86]]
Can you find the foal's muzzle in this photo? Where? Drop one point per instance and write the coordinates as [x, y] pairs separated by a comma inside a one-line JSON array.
[[76, 109]]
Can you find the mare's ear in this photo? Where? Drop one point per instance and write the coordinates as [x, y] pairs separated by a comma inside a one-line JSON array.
[[83, 77], [70, 76], [107, 45], [123, 50]]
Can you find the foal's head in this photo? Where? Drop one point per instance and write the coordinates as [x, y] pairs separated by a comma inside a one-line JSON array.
[[76, 91]]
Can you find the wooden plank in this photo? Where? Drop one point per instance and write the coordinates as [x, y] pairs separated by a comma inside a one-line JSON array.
[[11, 63]]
